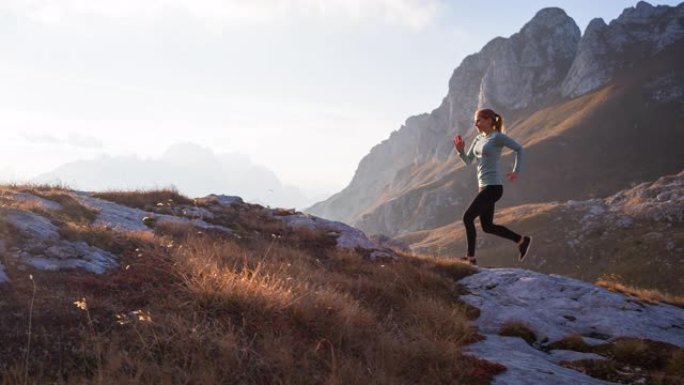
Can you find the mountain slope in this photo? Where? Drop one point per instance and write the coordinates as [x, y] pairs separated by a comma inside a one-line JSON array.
[[635, 236]]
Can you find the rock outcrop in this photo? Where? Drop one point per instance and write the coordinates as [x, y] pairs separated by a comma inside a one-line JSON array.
[[553, 308], [39, 224]]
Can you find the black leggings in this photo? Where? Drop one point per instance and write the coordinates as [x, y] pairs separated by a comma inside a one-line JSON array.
[[483, 206]]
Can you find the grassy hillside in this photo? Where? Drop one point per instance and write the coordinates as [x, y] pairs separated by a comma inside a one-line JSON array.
[[266, 305]]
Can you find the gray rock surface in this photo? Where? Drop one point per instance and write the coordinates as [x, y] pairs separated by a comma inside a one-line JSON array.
[[113, 215], [554, 307], [39, 202], [347, 236], [526, 365], [72, 255], [31, 224], [124, 218]]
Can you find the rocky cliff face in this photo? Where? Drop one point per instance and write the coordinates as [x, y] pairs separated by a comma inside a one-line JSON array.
[[541, 78], [638, 33]]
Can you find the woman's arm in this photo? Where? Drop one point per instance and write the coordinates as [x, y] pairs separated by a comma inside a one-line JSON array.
[[506, 141], [467, 157]]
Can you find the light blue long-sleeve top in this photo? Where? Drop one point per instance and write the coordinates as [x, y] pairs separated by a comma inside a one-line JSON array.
[[487, 149]]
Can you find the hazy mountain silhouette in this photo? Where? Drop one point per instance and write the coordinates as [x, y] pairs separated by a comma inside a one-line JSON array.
[[192, 169]]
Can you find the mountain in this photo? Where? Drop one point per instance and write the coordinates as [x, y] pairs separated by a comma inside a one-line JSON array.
[[192, 169], [596, 113], [153, 287]]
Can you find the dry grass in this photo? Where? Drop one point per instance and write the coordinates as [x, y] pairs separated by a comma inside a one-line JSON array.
[[612, 283], [635, 361], [629, 360], [150, 200], [197, 307], [518, 329], [37, 187]]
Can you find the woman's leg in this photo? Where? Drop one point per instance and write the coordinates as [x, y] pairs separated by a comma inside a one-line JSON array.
[[474, 210], [494, 193]]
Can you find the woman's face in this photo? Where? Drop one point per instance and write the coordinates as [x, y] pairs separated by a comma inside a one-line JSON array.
[[483, 124]]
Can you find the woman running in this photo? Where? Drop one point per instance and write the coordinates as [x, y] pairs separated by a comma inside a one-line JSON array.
[[487, 147]]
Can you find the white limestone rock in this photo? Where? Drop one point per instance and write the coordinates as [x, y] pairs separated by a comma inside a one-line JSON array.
[[39, 202], [526, 365], [31, 224], [555, 307], [71, 255], [123, 218], [113, 215], [347, 237]]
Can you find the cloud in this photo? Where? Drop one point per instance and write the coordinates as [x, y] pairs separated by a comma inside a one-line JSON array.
[[83, 141], [414, 14], [72, 139], [41, 138]]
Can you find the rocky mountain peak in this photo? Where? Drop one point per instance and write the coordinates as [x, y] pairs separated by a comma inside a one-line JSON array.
[[638, 33], [529, 66], [548, 17], [595, 25], [640, 13]]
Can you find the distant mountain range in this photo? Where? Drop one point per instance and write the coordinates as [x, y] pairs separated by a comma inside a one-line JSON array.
[[597, 113], [192, 169]]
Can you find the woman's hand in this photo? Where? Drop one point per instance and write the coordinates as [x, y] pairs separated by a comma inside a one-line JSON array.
[[512, 176], [459, 143]]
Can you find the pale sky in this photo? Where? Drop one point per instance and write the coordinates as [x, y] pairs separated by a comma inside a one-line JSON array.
[[303, 87]]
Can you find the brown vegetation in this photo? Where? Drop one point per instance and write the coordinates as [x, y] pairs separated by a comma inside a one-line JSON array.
[[518, 329], [146, 199], [197, 307], [629, 360], [612, 283]]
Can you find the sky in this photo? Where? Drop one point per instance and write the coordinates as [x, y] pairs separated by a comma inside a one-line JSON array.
[[304, 88]]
